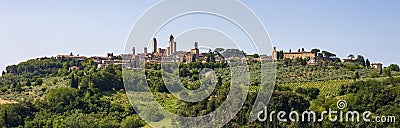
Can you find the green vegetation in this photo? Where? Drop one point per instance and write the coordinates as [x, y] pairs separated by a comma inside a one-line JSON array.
[[58, 97], [327, 88], [50, 94]]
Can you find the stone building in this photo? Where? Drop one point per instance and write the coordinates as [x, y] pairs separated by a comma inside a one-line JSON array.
[[377, 65], [277, 55], [71, 56], [350, 60], [193, 55]]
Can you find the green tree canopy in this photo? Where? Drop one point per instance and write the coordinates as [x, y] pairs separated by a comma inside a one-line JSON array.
[[361, 60], [394, 67], [315, 51], [328, 54], [61, 99], [220, 50], [351, 56], [39, 82], [133, 121]]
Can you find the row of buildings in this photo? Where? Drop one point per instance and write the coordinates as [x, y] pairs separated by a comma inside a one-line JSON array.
[[279, 55], [171, 55], [100, 61], [157, 55]]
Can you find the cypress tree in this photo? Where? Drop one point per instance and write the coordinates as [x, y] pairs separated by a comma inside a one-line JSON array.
[[367, 63], [74, 81], [28, 83], [5, 118]]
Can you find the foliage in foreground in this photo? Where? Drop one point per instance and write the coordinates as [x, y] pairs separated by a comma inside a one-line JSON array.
[[50, 95]]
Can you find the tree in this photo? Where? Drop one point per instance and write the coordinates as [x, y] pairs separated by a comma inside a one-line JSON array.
[[108, 78], [281, 55], [13, 69], [233, 53], [5, 116], [315, 51], [13, 115], [39, 81], [320, 55], [288, 101], [244, 53], [3, 73], [256, 56], [28, 83], [361, 60], [351, 56], [302, 61], [387, 72], [287, 62], [210, 56], [367, 63], [133, 121], [74, 81], [311, 92], [193, 58], [356, 75], [278, 56], [18, 87], [394, 67], [61, 100], [220, 50], [374, 74], [79, 120], [328, 54]]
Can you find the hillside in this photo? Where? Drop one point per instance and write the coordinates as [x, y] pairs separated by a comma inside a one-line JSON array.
[[46, 92]]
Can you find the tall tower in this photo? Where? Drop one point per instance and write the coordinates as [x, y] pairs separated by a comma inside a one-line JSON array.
[[196, 50], [133, 51], [196, 45], [145, 50], [154, 45], [168, 50], [171, 45]]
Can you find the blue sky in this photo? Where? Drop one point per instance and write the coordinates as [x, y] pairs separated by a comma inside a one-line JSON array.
[[30, 29]]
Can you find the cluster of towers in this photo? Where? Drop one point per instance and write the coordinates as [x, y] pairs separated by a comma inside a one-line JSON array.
[[170, 50]]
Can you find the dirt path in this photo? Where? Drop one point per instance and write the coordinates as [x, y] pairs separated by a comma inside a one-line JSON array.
[[7, 101]]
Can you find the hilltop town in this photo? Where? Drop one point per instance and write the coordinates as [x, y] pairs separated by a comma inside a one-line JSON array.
[[171, 55], [64, 88]]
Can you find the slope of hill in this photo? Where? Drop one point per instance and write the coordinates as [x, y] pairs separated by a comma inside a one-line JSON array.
[[45, 93]]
